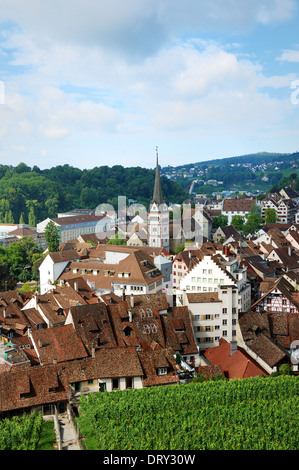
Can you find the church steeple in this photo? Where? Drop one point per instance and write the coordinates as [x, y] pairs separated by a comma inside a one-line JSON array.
[[157, 196]]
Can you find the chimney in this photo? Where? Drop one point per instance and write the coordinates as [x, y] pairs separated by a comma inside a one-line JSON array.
[[4, 312], [54, 360], [130, 316], [93, 350], [132, 301], [233, 347], [76, 287], [124, 293], [40, 343], [290, 250]]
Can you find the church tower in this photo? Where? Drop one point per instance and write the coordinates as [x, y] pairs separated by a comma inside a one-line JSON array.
[[158, 215]]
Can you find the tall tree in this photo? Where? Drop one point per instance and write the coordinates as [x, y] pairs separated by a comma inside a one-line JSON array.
[[8, 218], [52, 237], [31, 217]]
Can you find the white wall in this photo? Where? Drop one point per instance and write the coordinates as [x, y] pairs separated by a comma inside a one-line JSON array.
[[49, 272]]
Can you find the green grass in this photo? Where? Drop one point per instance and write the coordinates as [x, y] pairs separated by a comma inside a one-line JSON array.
[[89, 442], [48, 437]]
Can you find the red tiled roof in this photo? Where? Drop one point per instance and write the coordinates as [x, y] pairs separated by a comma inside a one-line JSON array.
[[243, 205], [60, 343], [236, 366]]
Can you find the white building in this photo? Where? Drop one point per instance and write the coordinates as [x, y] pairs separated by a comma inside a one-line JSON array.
[[216, 291], [72, 226], [52, 267], [233, 207]]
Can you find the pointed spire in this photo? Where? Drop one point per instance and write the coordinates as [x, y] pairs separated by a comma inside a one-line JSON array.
[[157, 196]]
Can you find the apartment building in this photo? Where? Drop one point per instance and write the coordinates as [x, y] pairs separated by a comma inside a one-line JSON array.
[[216, 291]]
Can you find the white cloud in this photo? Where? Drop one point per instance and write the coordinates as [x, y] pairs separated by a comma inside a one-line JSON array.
[[275, 11], [54, 132], [122, 69], [137, 28], [20, 149], [289, 56]]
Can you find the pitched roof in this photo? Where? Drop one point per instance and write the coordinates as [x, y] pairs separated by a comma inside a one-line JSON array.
[[92, 324], [157, 196], [287, 260], [33, 386], [151, 361], [77, 219], [203, 297], [230, 231], [23, 232], [60, 343], [239, 365], [238, 205], [265, 348], [118, 362], [63, 256], [290, 192]]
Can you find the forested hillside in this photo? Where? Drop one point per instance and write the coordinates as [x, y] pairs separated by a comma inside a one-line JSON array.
[[256, 172], [30, 195]]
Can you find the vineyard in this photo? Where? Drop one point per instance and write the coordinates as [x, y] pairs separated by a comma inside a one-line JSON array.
[[248, 414], [21, 433]]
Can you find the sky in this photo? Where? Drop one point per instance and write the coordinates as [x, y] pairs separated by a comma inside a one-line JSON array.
[[91, 83]]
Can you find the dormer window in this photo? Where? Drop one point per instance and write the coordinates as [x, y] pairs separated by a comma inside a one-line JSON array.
[[162, 371], [128, 331]]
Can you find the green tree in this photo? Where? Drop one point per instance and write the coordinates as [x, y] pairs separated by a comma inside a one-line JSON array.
[[252, 224], [8, 218], [22, 220], [7, 281], [31, 217], [116, 240], [52, 206], [220, 221], [285, 369], [52, 237], [18, 258], [255, 209], [270, 216], [238, 222]]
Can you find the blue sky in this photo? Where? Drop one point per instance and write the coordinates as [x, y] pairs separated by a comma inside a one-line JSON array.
[[102, 83]]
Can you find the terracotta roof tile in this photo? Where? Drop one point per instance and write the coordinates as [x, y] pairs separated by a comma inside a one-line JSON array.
[[60, 343], [236, 366]]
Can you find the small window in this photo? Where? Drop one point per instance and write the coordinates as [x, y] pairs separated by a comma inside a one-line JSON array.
[[129, 382], [115, 384], [162, 371]]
